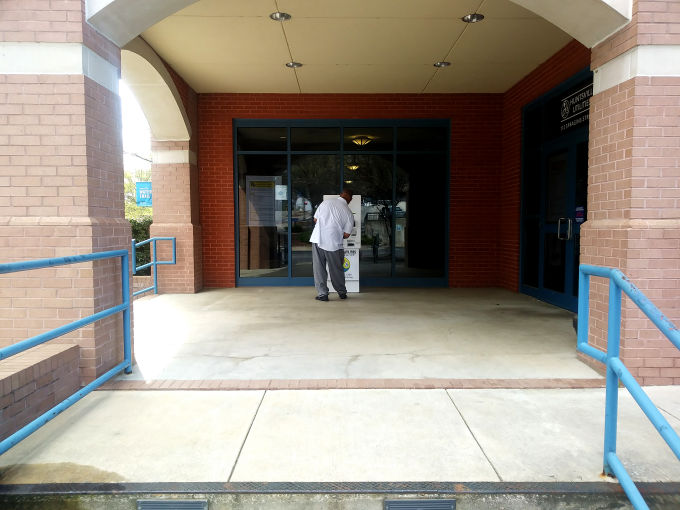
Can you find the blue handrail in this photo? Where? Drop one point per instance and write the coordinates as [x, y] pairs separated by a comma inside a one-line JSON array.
[[125, 365], [154, 262], [616, 370]]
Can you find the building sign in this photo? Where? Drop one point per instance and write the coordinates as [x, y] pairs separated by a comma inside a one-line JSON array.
[[143, 194], [575, 108]]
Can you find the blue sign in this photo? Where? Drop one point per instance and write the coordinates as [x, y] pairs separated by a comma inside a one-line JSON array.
[[143, 194]]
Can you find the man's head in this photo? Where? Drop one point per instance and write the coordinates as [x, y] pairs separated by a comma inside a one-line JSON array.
[[347, 194]]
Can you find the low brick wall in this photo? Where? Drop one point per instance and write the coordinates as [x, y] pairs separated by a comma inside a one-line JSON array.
[[34, 381]]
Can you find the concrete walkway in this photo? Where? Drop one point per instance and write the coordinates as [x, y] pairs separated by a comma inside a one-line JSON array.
[[341, 436], [223, 340]]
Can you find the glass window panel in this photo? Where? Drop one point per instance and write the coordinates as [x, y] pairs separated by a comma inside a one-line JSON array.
[[368, 139], [263, 215], [422, 139], [313, 176], [554, 263], [262, 139], [372, 179], [532, 247], [419, 215], [315, 139], [556, 188]]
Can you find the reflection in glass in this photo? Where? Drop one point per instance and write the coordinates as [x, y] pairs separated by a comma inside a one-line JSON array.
[[261, 139], [315, 139], [420, 215], [373, 181], [263, 215], [422, 139], [368, 139], [313, 176]]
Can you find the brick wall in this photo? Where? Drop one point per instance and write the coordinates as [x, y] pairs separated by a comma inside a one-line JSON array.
[[33, 382], [634, 204], [475, 123], [653, 22], [176, 204], [61, 157]]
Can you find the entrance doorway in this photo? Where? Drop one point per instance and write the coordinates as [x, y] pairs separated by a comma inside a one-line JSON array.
[[399, 168], [554, 193]]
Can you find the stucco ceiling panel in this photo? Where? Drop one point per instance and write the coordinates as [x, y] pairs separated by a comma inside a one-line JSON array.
[[383, 9], [247, 78], [237, 8], [524, 41], [474, 77], [361, 41], [352, 79], [219, 40]]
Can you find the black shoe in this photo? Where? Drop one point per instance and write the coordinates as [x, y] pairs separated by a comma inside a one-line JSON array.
[[321, 298], [343, 296]]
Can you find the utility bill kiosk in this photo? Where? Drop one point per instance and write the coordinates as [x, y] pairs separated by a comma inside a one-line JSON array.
[[351, 245]]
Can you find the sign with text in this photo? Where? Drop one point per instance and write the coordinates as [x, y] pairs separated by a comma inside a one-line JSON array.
[[143, 194]]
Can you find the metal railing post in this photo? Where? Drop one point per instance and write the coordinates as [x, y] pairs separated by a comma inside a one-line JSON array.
[[155, 268], [134, 256], [125, 286], [612, 391]]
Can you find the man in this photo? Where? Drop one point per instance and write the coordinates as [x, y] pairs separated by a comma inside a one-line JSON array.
[[333, 222]]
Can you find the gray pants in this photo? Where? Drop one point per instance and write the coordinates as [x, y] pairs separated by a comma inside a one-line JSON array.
[[335, 260]]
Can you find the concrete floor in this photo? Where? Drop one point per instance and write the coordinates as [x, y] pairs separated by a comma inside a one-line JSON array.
[[283, 333], [340, 435]]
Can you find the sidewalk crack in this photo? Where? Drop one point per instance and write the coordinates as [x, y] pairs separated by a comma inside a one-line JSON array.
[[500, 478], [238, 456]]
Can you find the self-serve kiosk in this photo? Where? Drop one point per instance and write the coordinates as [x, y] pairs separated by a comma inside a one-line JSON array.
[[351, 246]]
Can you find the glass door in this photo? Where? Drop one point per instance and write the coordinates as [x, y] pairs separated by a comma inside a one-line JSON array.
[[557, 240], [399, 168]]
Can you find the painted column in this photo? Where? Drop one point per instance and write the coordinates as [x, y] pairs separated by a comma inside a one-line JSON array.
[[61, 176], [174, 177], [634, 183]]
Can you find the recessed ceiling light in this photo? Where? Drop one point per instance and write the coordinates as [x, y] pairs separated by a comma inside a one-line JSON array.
[[473, 17], [279, 16], [442, 64], [293, 65]]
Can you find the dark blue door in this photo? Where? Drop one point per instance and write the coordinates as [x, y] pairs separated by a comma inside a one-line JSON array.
[[562, 210]]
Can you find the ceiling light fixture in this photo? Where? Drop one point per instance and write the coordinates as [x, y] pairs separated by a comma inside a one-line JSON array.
[[472, 17], [293, 65], [348, 182], [353, 167], [442, 64], [280, 16], [361, 140]]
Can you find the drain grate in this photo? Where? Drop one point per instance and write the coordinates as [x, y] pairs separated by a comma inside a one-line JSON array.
[[172, 504], [421, 504]]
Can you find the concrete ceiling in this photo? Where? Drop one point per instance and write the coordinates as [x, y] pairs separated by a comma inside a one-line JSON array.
[[354, 46]]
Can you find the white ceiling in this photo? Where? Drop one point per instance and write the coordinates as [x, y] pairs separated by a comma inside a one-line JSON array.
[[354, 46]]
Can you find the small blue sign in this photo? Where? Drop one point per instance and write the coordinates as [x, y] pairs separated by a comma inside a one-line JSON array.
[[143, 194]]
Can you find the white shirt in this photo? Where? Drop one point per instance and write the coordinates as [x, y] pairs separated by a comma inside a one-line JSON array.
[[333, 219]]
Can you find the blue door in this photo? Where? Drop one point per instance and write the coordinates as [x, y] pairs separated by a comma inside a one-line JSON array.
[[555, 227]]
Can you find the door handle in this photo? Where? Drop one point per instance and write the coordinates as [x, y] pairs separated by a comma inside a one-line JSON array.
[[569, 232]]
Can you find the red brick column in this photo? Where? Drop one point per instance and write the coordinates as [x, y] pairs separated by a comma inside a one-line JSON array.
[[174, 175], [61, 176], [634, 183]]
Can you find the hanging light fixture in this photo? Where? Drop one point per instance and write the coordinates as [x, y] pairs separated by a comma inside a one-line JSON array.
[[362, 140], [353, 167]]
